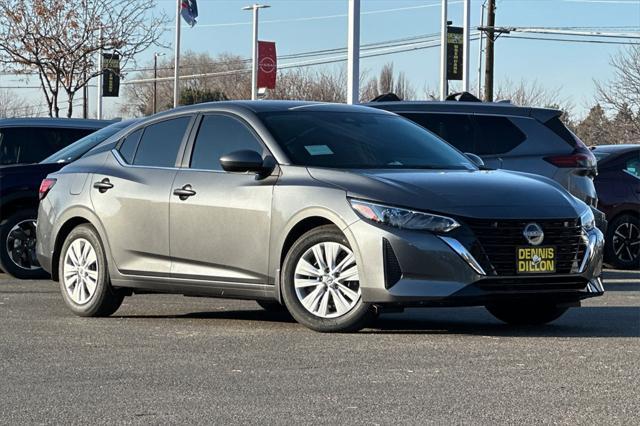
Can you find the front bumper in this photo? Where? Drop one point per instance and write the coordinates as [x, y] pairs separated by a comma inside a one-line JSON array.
[[411, 268]]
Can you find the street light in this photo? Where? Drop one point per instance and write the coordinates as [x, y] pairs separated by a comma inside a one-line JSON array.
[[254, 52], [155, 80]]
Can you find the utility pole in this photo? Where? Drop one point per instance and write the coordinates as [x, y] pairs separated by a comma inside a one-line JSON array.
[[488, 72], [444, 84], [254, 49], [353, 53], [155, 81], [480, 50], [85, 95]]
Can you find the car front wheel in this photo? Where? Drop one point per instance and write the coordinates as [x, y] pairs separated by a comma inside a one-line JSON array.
[[526, 314], [321, 284], [84, 278]]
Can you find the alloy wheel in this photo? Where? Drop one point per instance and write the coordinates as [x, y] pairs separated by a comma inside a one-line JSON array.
[[326, 280], [80, 271], [626, 242], [21, 245]]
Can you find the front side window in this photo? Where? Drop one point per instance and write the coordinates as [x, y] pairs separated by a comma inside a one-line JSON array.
[[632, 165], [348, 140], [161, 142], [219, 135]]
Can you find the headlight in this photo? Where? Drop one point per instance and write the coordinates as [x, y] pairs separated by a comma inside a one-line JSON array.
[[403, 218], [587, 220]]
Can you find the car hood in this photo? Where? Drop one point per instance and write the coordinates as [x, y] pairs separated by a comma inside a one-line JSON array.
[[475, 194]]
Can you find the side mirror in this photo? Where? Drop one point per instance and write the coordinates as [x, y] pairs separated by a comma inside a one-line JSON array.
[[475, 159], [242, 161]]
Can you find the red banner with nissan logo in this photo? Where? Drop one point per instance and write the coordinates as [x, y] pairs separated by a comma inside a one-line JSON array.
[[267, 64]]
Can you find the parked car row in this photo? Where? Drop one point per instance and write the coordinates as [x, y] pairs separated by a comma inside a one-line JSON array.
[[333, 212]]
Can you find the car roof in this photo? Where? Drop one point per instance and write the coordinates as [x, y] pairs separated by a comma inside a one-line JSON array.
[[621, 148], [494, 108], [76, 123], [270, 106]]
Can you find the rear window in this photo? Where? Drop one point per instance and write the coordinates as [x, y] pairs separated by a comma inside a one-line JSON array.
[[33, 144], [557, 126]]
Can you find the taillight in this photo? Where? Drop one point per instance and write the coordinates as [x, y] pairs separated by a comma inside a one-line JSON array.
[[581, 157], [45, 187]]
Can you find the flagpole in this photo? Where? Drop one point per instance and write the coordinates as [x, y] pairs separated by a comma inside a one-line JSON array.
[[176, 69]]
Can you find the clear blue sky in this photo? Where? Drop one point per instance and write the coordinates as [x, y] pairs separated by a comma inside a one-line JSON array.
[[571, 67]]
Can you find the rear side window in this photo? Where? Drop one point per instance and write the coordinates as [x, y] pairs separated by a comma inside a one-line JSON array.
[[557, 126], [456, 129], [632, 165], [219, 135], [129, 146], [33, 144], [160, 143], [496, 135]]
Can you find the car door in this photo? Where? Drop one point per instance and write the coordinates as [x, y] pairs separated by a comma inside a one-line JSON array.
[[131, 194], [221, 232]]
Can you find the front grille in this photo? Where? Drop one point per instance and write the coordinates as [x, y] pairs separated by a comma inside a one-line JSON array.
[[500, 238], [532, 284], [392, 271]]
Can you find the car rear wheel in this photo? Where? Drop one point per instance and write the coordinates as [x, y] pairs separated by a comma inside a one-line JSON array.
[[84, 278], [526, 314], [623, 242], [321, 284], [17, 254]]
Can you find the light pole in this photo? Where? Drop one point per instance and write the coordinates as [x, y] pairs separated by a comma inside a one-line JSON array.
[[353, 53], [254, 51], [155, 80], [466, 47]]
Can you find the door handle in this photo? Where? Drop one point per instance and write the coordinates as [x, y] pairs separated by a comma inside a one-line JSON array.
[[184, 192], [103, 186]]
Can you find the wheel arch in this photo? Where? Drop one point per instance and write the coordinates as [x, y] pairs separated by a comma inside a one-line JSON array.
[[70, 221], [304, 222], [17, 203]]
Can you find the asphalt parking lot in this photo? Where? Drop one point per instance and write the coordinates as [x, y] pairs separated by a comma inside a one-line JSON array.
[[172, 359]]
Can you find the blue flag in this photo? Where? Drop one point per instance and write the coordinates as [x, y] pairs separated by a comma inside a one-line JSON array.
[[189, 11]]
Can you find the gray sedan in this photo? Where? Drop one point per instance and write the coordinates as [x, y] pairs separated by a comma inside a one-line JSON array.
[[331, 212]]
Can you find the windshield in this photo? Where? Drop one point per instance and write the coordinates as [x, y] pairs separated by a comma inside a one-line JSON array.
[[81, 146], [348, 140]]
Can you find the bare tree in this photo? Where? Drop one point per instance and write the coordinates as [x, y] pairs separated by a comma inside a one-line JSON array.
[[60, 40], [307, 84], [228, 74], [12, 106], [622, 93], [388, 82]]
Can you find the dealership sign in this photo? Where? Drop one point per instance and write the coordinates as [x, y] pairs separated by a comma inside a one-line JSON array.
[[267, 64], [455, 46], [110, 74]]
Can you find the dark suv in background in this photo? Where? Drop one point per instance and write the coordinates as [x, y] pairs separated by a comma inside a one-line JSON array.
[[31, 140], [505, 136], [19, 183]]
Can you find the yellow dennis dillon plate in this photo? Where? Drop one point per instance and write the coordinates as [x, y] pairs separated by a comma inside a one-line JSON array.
[[536, 260]]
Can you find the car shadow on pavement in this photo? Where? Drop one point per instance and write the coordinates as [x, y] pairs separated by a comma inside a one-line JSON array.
[[589, 321]]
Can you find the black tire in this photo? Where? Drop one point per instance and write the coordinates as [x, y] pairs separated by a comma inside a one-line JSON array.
[[355, 319], [526, 314], [623, 259], [30, 268], [105, 300]]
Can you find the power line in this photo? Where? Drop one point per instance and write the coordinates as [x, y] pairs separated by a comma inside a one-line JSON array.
[[570, 40]]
